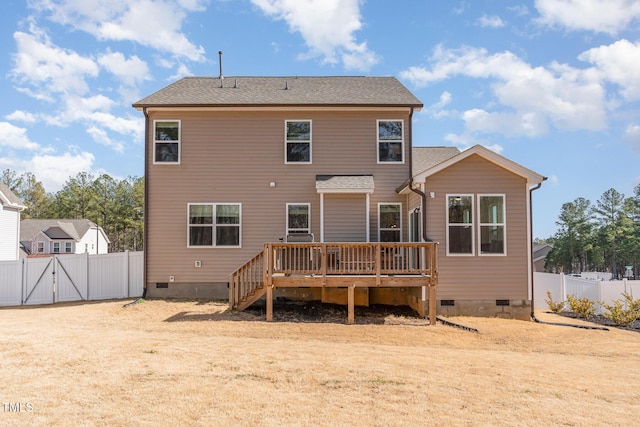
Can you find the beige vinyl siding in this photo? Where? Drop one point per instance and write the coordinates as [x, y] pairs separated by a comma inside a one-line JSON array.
[[480, 277], [345, 218], [231, 157]]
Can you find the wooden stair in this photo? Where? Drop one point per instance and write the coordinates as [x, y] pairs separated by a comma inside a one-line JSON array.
[[246, 284]]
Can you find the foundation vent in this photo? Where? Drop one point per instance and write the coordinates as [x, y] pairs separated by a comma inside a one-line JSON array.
[[447, 303], [162, 285], [502, 302]]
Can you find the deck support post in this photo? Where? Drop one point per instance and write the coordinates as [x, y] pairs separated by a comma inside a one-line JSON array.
[[269, 298], [351, 303], [432, 304]]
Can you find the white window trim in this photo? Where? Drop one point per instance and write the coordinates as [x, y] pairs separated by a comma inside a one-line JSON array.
[[473, 224], [378, 142], [53, 248], [380, 229], [70, 247], [213, 225], [308, 205], [286, 142], [39, 246], [179, 141], [503, 224]]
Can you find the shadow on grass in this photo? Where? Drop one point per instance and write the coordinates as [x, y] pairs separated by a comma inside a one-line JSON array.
[[309, 312]]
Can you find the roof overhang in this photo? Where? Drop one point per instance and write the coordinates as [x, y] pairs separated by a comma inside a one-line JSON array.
[[276, 107], [346, 184], [4, 199], [531, 177]]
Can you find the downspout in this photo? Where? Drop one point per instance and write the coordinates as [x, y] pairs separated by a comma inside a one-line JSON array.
[[420, 193], [145, 212], [533, 315]]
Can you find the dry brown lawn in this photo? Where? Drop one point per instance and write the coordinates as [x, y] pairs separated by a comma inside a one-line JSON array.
[[176, 363]]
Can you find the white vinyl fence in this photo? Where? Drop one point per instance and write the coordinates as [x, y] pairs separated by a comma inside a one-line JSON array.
[[596, 290], [84, 277]]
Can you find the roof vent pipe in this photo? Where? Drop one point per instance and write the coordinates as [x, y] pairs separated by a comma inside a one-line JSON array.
[[286, 85], [221, 77]]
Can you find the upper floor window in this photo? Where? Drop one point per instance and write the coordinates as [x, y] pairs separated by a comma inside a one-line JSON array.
[[298, 141], [40, 248], [390, 141], [298, 215], [166, 141], [389, 222], [492, 224], [214, 225], [56, 247], [460, 225], [67, 247]]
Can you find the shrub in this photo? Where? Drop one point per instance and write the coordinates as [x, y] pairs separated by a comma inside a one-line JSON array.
[[555, 307], [620, 315], [583, 307]]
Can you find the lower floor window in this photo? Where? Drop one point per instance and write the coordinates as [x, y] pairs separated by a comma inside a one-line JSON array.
[[214, 224], [390, 222]]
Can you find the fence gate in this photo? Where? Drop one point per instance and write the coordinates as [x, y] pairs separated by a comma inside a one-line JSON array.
[[50, 280], [39, 281]]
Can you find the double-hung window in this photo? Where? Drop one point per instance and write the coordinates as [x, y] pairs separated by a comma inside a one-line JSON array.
[[390, 141], [67, 247], [298, 215], [389, 222], [56, 247], [214, 225], [166, 141], [297, 141], [40, 247], [460, 225], [492, 224]]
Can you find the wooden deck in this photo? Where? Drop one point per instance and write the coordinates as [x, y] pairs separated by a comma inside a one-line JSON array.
[[336, 265]]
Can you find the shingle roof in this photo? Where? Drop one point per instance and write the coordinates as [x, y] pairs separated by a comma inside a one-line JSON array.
[[267, 91], [75, 228], [9, 195], [428, 157], [346, 183]]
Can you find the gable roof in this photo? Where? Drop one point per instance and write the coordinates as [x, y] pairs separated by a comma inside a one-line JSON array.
[[282, 91], [73, 228], [513, 167], [7, 197]]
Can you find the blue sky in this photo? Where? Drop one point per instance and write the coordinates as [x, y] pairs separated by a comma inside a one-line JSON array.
[[551, 84]]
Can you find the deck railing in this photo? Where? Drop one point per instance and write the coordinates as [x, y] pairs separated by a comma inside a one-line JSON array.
[[331, 259]]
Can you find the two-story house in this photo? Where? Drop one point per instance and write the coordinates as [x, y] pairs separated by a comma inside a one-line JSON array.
[[318, 168], [10, 207], [45, 237]]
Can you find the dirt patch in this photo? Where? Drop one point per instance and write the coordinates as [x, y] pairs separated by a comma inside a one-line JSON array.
[[167, 363]]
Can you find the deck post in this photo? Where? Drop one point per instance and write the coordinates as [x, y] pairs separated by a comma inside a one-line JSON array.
[[432, 304], [269, 297], [350, 302]]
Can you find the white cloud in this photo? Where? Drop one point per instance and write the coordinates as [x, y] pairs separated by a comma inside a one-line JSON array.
[[327, 27], [519, 10], [54, 170], [619, 63], [632, 137], [567, 97], [130, 71], [600, 16], [21, 116], [49, 68], [494, 21], [15, 138], [101, 137], [437, 110], [153, 23]]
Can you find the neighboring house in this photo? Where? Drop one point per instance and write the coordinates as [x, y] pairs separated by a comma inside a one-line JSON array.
[[540, 256], [10, 207], [234, 163], [43, 237]]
